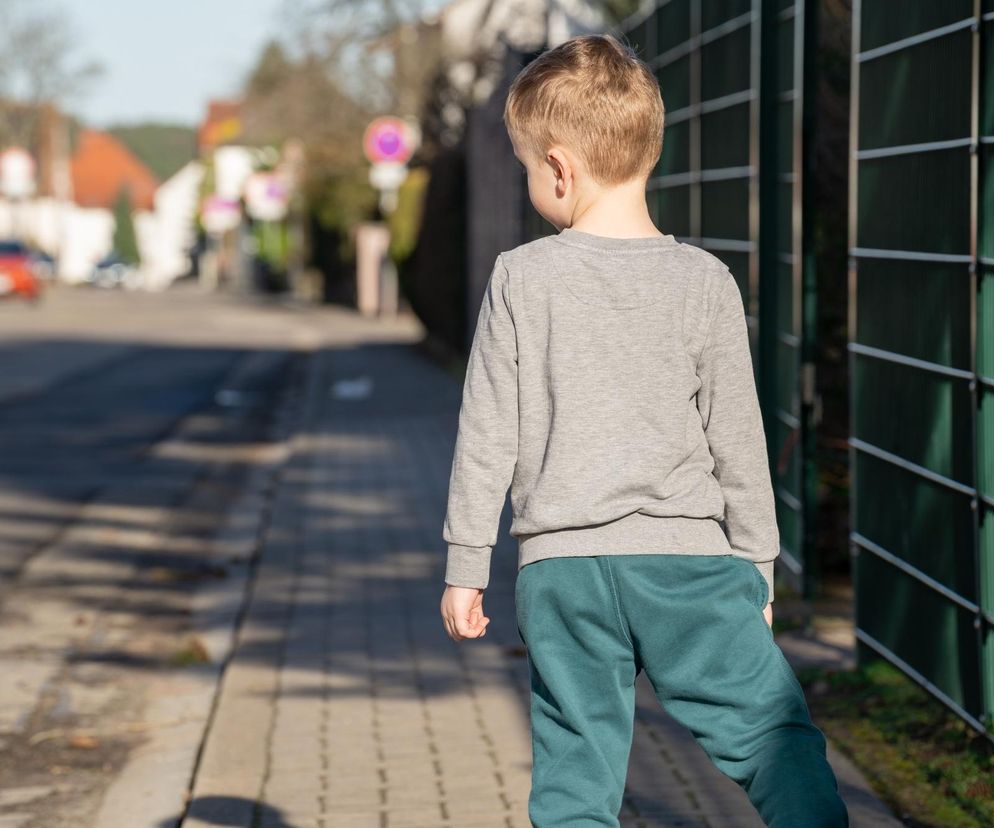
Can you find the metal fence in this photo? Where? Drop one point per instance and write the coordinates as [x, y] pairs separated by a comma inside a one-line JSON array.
[[732, 75], [735, 75], [921, 343]]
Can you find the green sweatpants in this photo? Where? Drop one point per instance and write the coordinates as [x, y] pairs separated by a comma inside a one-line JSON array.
[[694, 623]]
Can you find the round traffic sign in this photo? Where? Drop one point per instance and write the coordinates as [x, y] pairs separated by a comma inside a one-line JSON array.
[[266, 196], [388, 139]]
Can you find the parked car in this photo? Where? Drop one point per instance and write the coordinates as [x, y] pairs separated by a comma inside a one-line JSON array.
[[17, 274], [43, 265], [112, 271]]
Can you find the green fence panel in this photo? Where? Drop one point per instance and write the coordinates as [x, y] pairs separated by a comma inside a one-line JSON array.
[[985, 351], [734, 79], [921, 344], [732, 76], [729, 180]]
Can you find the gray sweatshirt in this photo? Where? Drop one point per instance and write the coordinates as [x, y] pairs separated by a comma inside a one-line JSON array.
[[610, 384]]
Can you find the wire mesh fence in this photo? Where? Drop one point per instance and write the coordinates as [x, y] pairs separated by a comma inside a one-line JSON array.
[[729, 180], [921, 318], [735, 76]]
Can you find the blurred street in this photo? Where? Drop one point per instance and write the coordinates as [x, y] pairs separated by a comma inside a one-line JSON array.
[[244, 249], [131, 427], [221, 573]]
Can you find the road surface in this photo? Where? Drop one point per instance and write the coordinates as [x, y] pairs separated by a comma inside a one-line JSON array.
[[220, 569]]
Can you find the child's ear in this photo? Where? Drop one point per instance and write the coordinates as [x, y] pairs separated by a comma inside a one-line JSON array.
[[561, 167]]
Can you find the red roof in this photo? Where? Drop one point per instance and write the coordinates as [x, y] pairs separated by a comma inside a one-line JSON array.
[[102, 165], [222, 124]]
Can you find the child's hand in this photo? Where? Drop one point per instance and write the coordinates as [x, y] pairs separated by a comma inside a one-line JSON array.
[[462, 612], [768, 614]]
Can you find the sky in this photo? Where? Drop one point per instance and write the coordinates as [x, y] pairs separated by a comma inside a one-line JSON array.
[[163, 59]]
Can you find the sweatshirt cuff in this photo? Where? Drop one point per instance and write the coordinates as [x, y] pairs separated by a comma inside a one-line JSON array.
[[766, 570], [468, 566]]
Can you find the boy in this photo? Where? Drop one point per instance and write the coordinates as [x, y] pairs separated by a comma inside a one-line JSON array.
[[610, 385]]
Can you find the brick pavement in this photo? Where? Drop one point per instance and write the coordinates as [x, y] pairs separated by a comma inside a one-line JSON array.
[[345, 704]]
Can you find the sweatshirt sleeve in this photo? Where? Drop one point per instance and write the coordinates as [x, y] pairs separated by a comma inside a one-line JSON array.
[[486, 445], [729, 407]]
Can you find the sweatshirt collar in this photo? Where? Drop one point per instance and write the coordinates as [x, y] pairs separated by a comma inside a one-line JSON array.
[[580, 238]]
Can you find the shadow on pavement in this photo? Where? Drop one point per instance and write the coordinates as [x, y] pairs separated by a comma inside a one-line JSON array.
[[231, 811], [343, 633]]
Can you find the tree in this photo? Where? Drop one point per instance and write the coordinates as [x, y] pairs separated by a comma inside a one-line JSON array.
[[125, 242], [163, 148], [618, 10], [298, 97], [340, 63], [37, 42], [362, 44]]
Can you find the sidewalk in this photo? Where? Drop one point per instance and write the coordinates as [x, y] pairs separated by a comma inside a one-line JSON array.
[[345, 704]]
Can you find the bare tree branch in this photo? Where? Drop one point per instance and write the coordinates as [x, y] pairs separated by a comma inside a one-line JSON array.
[[37, 42]]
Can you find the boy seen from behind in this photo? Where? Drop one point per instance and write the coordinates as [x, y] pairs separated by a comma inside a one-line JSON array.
[[610, 385]]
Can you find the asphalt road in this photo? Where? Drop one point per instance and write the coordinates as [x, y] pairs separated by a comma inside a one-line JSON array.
[[62, 445], [130, 426]]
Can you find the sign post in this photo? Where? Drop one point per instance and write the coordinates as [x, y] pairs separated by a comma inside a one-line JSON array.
[[388, 143]]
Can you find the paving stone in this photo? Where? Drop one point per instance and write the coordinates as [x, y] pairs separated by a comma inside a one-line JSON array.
[[378, 720]]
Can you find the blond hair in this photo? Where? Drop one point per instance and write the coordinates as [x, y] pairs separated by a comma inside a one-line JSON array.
[[595, 96]]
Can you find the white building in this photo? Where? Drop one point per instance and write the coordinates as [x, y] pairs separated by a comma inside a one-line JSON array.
[[76, 236], [166, 234]]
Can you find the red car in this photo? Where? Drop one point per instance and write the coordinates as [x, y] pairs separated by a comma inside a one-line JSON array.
[[17, 275]]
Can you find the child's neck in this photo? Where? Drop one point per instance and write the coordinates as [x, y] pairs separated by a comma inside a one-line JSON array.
[[617, 211]]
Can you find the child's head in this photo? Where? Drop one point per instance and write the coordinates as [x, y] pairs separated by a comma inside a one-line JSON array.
[[586, 114]]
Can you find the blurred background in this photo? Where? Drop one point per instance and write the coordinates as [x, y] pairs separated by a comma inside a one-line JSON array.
[[242, 250]]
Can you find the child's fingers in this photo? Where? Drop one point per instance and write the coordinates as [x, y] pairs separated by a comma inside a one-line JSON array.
[[476, 616], [451, 626], [472, 624], [470, 628], [467, 629]]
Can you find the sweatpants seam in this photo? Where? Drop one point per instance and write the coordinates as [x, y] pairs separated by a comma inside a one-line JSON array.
[[617, 602]]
